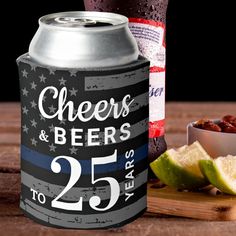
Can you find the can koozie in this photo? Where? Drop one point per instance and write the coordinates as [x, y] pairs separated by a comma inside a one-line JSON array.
[[84, 144]]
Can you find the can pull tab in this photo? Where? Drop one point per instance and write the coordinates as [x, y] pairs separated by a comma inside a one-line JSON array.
[[75, 21]]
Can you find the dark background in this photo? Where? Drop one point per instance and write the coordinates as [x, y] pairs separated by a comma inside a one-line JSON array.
[[200, 46]]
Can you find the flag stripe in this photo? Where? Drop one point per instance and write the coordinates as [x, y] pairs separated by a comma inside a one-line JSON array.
[[105, 82], [116, 93], [84, 152], [87, 209], [84, 221], [44, 161], [84, 180], [52, 190]]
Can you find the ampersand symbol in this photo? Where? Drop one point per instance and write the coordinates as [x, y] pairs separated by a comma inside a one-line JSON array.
[[43, 136]]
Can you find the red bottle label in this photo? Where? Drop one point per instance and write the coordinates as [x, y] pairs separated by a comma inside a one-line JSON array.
[[150, 36]]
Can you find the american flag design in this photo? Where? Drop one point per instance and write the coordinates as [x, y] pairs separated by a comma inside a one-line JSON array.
[[40, 185]]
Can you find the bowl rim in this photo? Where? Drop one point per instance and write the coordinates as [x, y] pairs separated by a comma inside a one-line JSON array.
[[190, 125]]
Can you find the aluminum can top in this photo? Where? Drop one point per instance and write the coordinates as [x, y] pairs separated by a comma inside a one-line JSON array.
[[83, 40]]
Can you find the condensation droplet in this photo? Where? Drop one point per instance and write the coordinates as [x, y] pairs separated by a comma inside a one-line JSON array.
[[152, 8]]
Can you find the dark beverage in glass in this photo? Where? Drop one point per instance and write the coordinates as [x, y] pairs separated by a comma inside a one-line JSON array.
[[147, 21]]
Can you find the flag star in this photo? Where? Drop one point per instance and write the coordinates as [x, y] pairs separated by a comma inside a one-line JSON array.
[[73, 73], [73, 150], [52, 128], [42, 78], [51, 91], [63, 121], [33, 85], [75, 112], [33, 67], [42, 117], [52, 109], [34, 141], [72, 128], [25, 110], [33, 104], [73, 91], [24, 73], [44, 98], [62, 81], [25, 129], [52, 71], [33, 123], [52, 147], [25, 91]]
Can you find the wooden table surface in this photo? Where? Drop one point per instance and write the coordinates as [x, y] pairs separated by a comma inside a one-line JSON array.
[[12, 221]]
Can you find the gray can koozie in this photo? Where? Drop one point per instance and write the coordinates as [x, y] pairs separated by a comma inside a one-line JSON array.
[[84, 144]]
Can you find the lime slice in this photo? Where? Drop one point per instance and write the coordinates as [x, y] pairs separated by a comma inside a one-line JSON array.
[[179, 168], [221, 173]]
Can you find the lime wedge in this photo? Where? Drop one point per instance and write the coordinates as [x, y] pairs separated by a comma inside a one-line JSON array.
[[179, 168], [221, 172]]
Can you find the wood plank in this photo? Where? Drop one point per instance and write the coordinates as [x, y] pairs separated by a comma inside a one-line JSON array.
[[10, 209], [199, 109], [197, 205], [9, 194], [144, 226], [10, 158], [9, 138], [9, 187], [9, 107]]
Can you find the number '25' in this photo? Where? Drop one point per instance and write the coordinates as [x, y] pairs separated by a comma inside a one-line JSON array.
[[75, 174]]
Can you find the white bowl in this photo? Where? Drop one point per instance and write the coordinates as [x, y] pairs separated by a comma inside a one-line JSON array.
[[215, 143]]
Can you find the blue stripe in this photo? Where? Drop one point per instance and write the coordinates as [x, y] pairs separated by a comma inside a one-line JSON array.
[[44, 161]]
